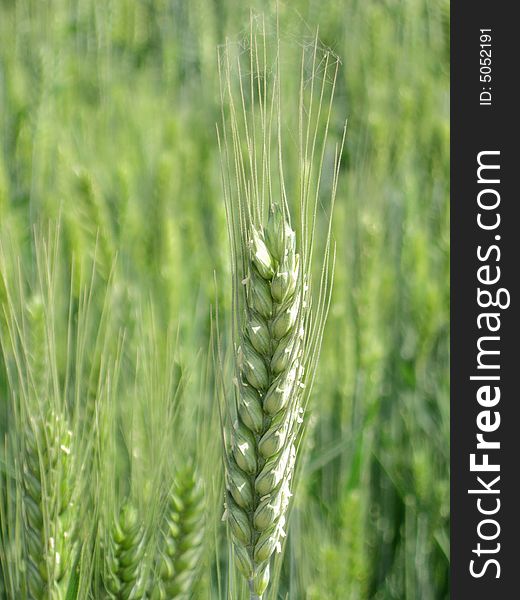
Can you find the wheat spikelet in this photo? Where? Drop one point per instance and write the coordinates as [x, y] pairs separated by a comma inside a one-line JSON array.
[[181, 541], [124, 578], [48, 506]]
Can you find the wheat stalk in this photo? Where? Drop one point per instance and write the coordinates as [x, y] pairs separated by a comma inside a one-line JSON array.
[[45, 547], [277, 322]]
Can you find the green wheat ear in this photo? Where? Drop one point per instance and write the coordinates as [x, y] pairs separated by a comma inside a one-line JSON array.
[[181, 542], [124, 578], [48, 506], [277, 319], [260, 462]]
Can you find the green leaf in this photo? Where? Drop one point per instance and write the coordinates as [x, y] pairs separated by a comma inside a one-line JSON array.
[[73, 587]]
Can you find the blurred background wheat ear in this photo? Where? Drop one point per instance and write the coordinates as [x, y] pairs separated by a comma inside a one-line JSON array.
[[107, 130]]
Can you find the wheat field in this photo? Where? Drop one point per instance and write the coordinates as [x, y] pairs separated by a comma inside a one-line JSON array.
[[143, 388]]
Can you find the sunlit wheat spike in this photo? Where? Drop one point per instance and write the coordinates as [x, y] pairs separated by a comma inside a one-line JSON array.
[[269, 366], [124, 578], [277, 321], [48, 506], [181, 543]]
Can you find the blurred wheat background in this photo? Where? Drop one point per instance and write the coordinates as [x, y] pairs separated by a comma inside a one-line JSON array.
[[107, 129]]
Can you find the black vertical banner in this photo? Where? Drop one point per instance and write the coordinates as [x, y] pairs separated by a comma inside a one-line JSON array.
[[485, 270]]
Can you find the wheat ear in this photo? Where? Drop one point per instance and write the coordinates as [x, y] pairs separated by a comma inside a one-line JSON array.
[[276, 335], [48, 506], [269, 371], [124, 578], [181, 542]]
